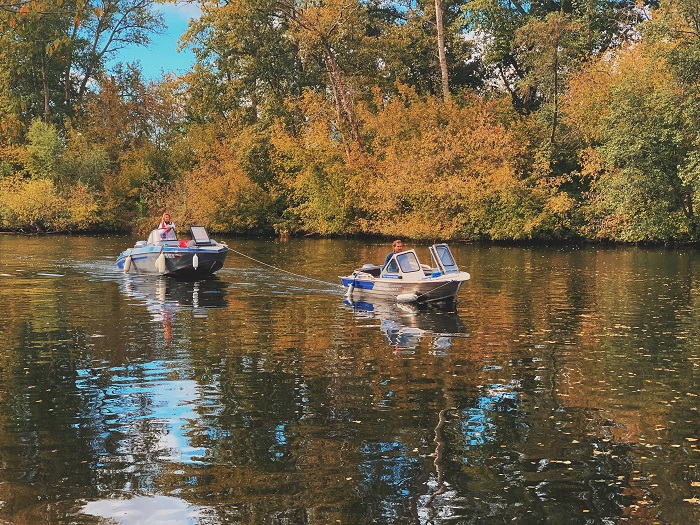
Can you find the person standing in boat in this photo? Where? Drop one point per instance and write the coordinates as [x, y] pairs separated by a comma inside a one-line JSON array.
[[166, 228], [397, 245]]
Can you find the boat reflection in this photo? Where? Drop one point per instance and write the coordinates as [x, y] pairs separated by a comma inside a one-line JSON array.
[[164, 297], [161, 292], [405, 325]]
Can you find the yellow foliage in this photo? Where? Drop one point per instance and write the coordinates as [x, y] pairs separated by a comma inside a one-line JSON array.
[[28, 203], [36, 205], [586, 106], [219, 195], [314, 169], [82, 209], [431, 169], [436, 165]]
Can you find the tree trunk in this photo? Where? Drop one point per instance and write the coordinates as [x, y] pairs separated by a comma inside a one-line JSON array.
[[339, 115], [343, 98], [45, 84], [555, 113], [441, 50]]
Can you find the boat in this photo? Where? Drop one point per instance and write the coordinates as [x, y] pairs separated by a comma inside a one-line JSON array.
[[406, 280], [196, 258]]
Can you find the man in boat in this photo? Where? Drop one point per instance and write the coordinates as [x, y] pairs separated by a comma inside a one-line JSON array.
[[166, 228], [397, 245]]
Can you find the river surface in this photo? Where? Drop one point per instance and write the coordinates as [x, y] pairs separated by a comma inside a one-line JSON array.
[[563, 389]]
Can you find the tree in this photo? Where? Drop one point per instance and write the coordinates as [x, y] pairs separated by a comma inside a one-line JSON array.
[[441, 50], [642, 159], [46, 148], [53, 49], [550, 50], [602, 24]]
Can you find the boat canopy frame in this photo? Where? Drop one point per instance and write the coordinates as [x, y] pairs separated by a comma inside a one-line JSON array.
[[443, 259]]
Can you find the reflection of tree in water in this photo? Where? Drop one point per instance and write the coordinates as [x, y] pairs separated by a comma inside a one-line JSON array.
[[389, 474], [484, 474]]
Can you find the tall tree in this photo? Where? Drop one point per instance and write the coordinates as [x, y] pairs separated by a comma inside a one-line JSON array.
[[441, 50], [247, 64], [601, 23], [314, 45], [53, 49], [550, 49]]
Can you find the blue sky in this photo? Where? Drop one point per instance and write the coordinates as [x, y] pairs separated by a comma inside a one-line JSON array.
[[162, 55]]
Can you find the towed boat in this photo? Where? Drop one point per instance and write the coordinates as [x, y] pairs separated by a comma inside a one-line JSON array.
[[197, 258], [406, 280]]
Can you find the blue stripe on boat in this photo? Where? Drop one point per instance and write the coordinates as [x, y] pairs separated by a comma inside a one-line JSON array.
[[361, 285]]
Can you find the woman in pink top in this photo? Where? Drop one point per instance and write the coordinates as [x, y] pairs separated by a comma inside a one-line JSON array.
[[166, 228]]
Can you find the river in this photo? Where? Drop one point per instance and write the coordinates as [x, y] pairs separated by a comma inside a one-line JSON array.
[[562, 390]]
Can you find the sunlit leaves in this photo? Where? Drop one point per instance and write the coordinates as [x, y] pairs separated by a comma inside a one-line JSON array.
[[646, 185], [46, 148], [30, 204], [431, 169], [53, 49]]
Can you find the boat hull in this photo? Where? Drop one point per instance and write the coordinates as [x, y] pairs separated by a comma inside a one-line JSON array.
[[178, 262], [443, 289]]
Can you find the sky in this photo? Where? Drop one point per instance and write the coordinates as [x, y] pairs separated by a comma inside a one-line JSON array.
[[161, 56]]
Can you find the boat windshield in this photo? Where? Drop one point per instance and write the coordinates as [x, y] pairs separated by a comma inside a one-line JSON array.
[[408, 262], [445, 256], [200, 235]]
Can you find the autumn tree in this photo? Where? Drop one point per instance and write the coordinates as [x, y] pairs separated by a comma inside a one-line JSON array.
[[642, 134]]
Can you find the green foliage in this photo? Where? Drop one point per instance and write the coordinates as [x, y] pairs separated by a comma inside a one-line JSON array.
[[50, 51], [46, 148], [84, 162], [593, 27], [644, 167]]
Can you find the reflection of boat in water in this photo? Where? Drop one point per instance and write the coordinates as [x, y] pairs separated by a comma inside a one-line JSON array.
[[165, 297], [193, 259], [162, 295], [404, 325], [406, 280]]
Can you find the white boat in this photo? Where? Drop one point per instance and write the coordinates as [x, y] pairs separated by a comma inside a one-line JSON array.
[[197, 258], [406, 280]]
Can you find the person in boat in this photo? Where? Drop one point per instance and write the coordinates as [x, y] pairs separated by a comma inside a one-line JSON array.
[[397, 245], [166, 228]]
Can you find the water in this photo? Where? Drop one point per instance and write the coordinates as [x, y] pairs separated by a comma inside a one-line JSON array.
[[563, 390]]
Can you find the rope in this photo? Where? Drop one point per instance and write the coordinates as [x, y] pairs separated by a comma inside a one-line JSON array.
[[334, 285], [437, 287]]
